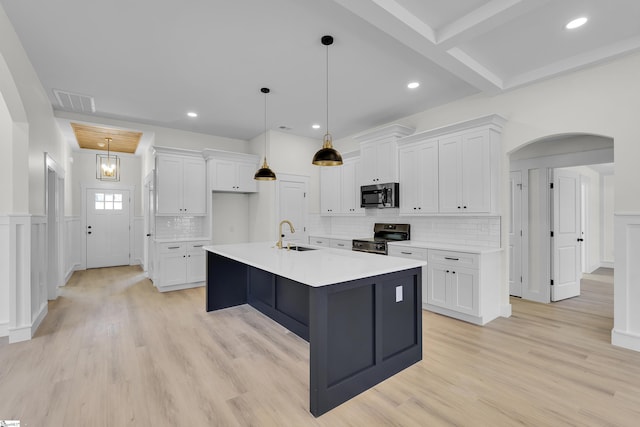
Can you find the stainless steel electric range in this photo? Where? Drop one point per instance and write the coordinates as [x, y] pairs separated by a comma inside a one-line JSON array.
[[382, 234]]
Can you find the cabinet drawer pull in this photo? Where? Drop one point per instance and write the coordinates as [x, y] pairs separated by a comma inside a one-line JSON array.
[[319, 241], [173, 247], [340, 244], [452, 259], [406, 253], [198, 246]]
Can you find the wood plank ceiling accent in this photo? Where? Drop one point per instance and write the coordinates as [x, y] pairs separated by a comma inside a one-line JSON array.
[[93, 138]]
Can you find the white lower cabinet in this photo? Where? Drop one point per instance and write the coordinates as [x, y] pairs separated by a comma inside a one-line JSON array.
[[458, 284], [340, 244], [330, 242], [180, 265], [464, 285]]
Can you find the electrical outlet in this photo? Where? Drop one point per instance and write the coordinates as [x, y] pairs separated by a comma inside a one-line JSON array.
[[398, 293]]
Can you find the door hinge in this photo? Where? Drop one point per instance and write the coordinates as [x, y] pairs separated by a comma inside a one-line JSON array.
[[520, 233], [552, 234], [520, 279], [304, 194], [551, 185], [551, 282]]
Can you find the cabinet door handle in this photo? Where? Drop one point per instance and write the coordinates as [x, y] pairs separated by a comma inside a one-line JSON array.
[[340, 244], [173, 247], [452, 259], [406, 253], [198, 246]]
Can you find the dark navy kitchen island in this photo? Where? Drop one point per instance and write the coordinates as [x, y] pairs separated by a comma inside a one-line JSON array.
[[360, 313]]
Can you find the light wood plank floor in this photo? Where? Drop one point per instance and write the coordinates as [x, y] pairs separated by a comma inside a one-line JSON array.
[[114, 352]]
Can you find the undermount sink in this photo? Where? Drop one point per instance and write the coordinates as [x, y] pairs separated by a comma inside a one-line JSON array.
[[300, 248]]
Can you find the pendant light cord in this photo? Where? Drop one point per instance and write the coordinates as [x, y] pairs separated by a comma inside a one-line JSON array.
[[265, 127], [327, 89]]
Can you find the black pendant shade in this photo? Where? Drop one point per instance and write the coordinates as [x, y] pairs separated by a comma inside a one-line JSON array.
[[265, 173], [327, 155]]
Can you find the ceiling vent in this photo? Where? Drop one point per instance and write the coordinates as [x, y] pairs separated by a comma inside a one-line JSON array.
[[75, 101]]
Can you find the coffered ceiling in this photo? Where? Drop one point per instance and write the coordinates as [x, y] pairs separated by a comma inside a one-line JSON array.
[[152, 61]]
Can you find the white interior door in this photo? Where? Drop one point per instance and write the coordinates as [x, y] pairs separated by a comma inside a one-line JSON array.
[[293, 206], [515, 234], [565, 263], [107, 228]]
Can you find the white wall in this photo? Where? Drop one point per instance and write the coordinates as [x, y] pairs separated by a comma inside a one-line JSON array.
[[608, 196], [230, 218], [32, 133]]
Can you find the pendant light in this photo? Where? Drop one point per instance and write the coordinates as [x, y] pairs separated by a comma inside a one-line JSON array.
[[265, 173], [327, 155], [108, 167]]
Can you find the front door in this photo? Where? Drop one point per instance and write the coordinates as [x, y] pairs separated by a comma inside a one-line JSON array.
[[107, 228], [566, 265]]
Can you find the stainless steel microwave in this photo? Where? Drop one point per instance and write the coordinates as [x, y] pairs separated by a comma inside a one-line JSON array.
[[380, 195]]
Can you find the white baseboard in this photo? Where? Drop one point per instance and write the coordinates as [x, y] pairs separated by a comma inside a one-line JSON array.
[[180, 287], [36, 324], [19, 334], [4, 329], [505, 310], [625, 339], [73, 268], [25, 333], [607, 264]]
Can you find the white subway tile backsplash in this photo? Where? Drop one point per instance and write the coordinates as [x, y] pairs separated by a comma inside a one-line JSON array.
[[174, 227], [476, 231]]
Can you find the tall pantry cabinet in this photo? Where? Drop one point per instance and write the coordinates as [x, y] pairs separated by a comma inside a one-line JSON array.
[[180, 219]]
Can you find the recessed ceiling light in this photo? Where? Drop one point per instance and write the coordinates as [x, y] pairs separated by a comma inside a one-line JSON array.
[[316, 126], [192, 114], [578, 22], [413, 85], [101, 144]]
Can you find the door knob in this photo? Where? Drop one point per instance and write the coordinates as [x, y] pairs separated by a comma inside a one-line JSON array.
[[88, 232], [89, 226], [580, 239]]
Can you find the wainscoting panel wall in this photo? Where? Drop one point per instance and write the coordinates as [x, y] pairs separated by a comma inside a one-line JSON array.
[[4, 275], [626, 321]]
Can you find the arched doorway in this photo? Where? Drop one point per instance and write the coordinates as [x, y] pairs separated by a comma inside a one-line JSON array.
[[532, 167]]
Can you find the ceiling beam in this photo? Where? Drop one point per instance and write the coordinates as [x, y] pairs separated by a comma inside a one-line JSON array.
[[392, 18]]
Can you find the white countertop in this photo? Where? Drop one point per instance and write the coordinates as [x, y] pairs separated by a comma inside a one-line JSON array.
[[445, 247], [321, 267]]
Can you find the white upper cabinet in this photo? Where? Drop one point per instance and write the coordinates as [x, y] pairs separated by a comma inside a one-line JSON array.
[[457, 170], [181, 184], [350, 197], [232, 172], [418, 174], [330, 189], [465, 178], [379, 154], [340, 188]]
